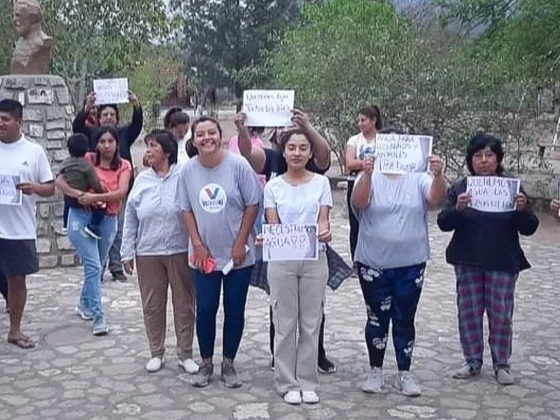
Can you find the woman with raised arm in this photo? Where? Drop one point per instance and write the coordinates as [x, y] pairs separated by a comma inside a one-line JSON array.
[[392, 213]]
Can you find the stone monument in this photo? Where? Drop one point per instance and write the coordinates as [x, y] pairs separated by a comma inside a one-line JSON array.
[[47, 117]]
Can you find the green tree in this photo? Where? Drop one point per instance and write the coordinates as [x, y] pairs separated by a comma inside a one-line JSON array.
[[100, 39], [351, 53], [224, 41], [6, 35]]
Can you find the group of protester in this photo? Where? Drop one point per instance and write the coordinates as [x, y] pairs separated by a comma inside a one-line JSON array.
[[191, 220]]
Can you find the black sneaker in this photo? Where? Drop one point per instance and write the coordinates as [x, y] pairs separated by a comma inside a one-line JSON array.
[[325, 366], [119, 276]]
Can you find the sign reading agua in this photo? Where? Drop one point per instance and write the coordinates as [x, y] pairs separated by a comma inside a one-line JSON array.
[[493, 194], [290, 242], [402, 153]]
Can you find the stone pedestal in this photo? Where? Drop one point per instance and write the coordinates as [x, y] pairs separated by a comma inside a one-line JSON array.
[[47, 116]]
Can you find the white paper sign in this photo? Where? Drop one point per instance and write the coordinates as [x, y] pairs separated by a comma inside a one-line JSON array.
[[268, 108], [10, 195], [493, 194], [110, 91], [284, 242], [402, 153]]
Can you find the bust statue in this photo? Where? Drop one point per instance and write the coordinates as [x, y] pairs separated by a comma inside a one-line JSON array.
[[33, 49]]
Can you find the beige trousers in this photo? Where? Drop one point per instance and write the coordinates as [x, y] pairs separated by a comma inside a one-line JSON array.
[[297, 290], [155, 275]]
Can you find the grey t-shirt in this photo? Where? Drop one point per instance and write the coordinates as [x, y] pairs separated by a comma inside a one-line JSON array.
[[218, 198], [394, 227]]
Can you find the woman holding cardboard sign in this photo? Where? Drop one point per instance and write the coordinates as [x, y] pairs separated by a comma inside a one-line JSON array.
[[297, 287], [392, 212], [487, 258]]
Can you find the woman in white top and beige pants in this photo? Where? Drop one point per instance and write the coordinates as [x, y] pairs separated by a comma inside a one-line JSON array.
[[358, 148], [297, 288]]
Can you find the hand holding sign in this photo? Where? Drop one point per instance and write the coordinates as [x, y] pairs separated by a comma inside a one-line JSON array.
[[521, 202], [463, 201], [239, 120], [368, 165], [436, 165], [301, 119]]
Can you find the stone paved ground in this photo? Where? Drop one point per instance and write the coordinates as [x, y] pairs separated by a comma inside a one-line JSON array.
[[72, 375]]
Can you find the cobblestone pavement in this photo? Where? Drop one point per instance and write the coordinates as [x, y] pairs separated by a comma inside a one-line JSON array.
[[72, 375]]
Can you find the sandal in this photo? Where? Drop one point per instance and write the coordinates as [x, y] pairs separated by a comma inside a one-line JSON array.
[[22, 342]]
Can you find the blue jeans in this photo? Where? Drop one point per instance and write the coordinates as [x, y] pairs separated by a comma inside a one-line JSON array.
[[208, 287], [93, 254]]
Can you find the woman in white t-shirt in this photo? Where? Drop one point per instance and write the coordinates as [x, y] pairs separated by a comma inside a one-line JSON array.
[[297, 288], [358, 148]]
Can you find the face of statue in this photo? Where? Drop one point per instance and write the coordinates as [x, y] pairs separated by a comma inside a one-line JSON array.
[[22, 20]]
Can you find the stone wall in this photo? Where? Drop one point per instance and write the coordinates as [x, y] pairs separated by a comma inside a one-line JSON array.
[[47, 116]]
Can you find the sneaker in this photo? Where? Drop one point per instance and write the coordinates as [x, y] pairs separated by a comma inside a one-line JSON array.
[[83, 313], [188, 365], [407, 385], [466, 372], [309, 397], [100, 327], [154, 364], [229, 376], [374, 381], [292, 397], [505, 377], [91, 231], [119, 276], [325, 366], [202, 378]]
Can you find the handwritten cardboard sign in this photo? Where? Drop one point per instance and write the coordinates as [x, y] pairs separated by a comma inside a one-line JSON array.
[[283, 242], [111, 91], [268, 108], [493, 194], [10, 195], [402, 153]]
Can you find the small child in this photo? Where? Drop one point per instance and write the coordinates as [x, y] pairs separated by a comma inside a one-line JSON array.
[[80, 175]]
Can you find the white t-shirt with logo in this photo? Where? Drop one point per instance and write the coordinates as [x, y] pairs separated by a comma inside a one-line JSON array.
[[363, 148], [218, 198], [24, 161]]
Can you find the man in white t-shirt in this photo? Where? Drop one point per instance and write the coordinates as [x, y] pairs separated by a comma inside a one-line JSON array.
[[26, 174]]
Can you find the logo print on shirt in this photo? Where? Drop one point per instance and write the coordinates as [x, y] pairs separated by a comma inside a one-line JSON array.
[[212, 195], [212, 198]]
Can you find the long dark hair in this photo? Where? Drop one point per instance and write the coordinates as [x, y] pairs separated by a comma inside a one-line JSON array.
[[167, 143], [116, 161], [373, 113]]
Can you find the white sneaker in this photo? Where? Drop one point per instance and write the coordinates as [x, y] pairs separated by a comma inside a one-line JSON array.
[[309, 397], [407, 385], [154, 364], [189, 366], [292, 397], [374, 381]]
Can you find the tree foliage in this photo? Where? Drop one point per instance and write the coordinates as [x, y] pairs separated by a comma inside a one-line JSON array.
[[225, 41], [351, 53], [99, 39]]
